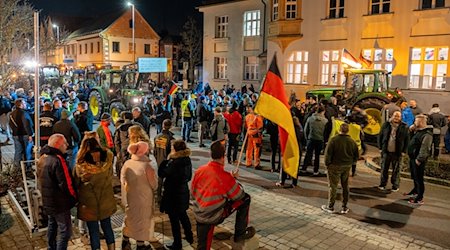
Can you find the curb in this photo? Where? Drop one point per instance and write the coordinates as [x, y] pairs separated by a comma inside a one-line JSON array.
[[372, 165]]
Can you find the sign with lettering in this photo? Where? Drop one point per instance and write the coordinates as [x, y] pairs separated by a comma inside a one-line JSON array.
[[152, 65]]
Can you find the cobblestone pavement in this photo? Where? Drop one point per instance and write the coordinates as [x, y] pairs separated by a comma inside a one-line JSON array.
[[292, 219]]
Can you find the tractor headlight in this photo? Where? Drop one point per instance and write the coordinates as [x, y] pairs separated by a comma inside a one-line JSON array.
[[136, 100]]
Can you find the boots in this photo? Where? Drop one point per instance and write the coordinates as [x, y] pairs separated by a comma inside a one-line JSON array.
[[112, 246], [125, 245]]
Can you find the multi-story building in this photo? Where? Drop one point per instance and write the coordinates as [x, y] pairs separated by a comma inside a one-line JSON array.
[[170, 48], [233, 42], [109, 41], [409, 38]]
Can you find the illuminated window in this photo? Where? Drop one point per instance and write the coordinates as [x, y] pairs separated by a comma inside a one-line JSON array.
[[98, 47], [251, 68], [381, 58], [275, 10], [252, 23], [116, 47], [380, 6], [428, 67], [336, 8], [221, 26], [297, 67], [331, 69], [221, 67], [291, 9], [430, 4]]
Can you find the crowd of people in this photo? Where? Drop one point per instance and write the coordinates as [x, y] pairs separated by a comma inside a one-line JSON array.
[[76, 166]]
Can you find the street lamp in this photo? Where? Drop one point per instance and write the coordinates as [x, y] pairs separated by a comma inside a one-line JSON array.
[[57, 32], [132, 24]]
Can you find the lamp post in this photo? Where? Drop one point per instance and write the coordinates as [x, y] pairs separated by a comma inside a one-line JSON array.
[[132, 32], [57, 32]]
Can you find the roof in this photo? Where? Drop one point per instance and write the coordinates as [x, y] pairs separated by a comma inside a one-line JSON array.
[[98, 25], [206, 3]]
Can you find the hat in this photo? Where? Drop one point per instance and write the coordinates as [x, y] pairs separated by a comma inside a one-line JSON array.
[[139, 148], [65, 114], [105, 117]]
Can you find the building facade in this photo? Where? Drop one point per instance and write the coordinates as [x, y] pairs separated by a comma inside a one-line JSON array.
[[109, 41], [409, 38], [234, 48]]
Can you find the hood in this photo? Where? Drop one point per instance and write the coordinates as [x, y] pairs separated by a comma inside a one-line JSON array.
[[318, 116], [86, 170], [47, 150], [435, 110], [180, 154], [428, 127]]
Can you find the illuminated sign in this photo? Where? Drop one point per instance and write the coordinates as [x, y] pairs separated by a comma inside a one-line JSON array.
[[152, 65]]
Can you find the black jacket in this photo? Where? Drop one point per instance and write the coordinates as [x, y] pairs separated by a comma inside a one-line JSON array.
[[401, 138], [84, 122], [162, 146], [69, 130], [144, 121], [55, 182], [437, 119], [419, 146], [177, 172], [203, 113], [46, 123], [159, 113], [21, 123]]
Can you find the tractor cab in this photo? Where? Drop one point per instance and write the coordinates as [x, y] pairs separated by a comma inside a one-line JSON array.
[[360, 81]]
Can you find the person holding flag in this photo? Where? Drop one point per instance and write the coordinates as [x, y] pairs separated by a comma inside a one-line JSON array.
[[254, 126]]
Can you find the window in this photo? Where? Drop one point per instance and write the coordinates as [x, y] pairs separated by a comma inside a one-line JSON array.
[[251, 68], [221, 67], [252, 24], [116, 47], [275, 10], [221, 26], [85, 48], [73, 49], [80, 49], [381, 58], [380, 6], [98, 47], [291, 9], [92, 48], [430, 4], [428, 67], [332, 72], [147, 49], [297, 67], [336, 9]]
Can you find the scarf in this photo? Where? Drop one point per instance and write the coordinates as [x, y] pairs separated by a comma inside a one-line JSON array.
[[109, 140], [67, 175]]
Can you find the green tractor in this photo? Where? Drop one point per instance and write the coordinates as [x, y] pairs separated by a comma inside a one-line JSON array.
[[367, 88], [116, 91]]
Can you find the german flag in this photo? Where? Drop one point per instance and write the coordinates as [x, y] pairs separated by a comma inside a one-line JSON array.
[[273, 105], [173, 89], [366, 63]]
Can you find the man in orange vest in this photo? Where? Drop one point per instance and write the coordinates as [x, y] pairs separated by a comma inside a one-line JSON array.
[[217, 195], [254, 126]]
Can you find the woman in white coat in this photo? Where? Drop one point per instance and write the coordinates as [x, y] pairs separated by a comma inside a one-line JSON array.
[[139, 182]]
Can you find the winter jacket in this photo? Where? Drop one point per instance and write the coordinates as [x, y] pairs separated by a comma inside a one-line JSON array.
[[437, 119], [219, 128], [55, 182], [57, 113], [162, 146], [159, 112], [122, 141], [70, 131], [401, 138], [5, 105], [234, 120], [419, 146], [416, 111], [408, 116], [203, 112], [211, 188], [144, 121], [21, 123], [186, 109], [341, 150], [84, 122], [176, 172], [46, 123], [102, 136], [94, 184], [315, 127], [391, 107]]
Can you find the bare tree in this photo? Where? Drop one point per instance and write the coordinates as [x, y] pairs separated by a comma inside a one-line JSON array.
[[16, 32], [50, 39], [192, 46]]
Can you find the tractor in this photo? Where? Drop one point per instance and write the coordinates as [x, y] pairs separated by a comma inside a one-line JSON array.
[[367, 88], [116, 91]]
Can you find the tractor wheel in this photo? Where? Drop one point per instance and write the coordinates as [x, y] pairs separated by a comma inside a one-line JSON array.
[[95, 104], [115, 109], [373, 107]]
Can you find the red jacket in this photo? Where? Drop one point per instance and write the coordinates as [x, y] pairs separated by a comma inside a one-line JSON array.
[[235, 121], [211, 188]]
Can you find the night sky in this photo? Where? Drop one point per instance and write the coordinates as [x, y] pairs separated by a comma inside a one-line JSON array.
[[162, 15]]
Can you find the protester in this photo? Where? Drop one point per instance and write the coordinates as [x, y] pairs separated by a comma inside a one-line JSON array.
[[46, 123], [22, 132], [438, 121], [176, 172], [122, 140], [217, 195], [234, 120], [83, 118], [58, 193], [219, 126], [419, 149], [93, 180], [187, 114], [393, 141], [70, 131], [414, 108], [447, 137], [254, 126], [391, 107], [104, 132], [314, 133], [203, 118], [139, 182], [5, 110], [158, 114], [407, 114], [140, 118], [57, 108], [298, 134], [340, 154], [272, 130]]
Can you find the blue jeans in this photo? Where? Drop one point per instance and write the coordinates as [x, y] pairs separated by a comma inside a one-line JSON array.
[[158, 128], [94, 232], [447, 141], [59, 224], [187, 127], [72, 156], [20, 149]]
